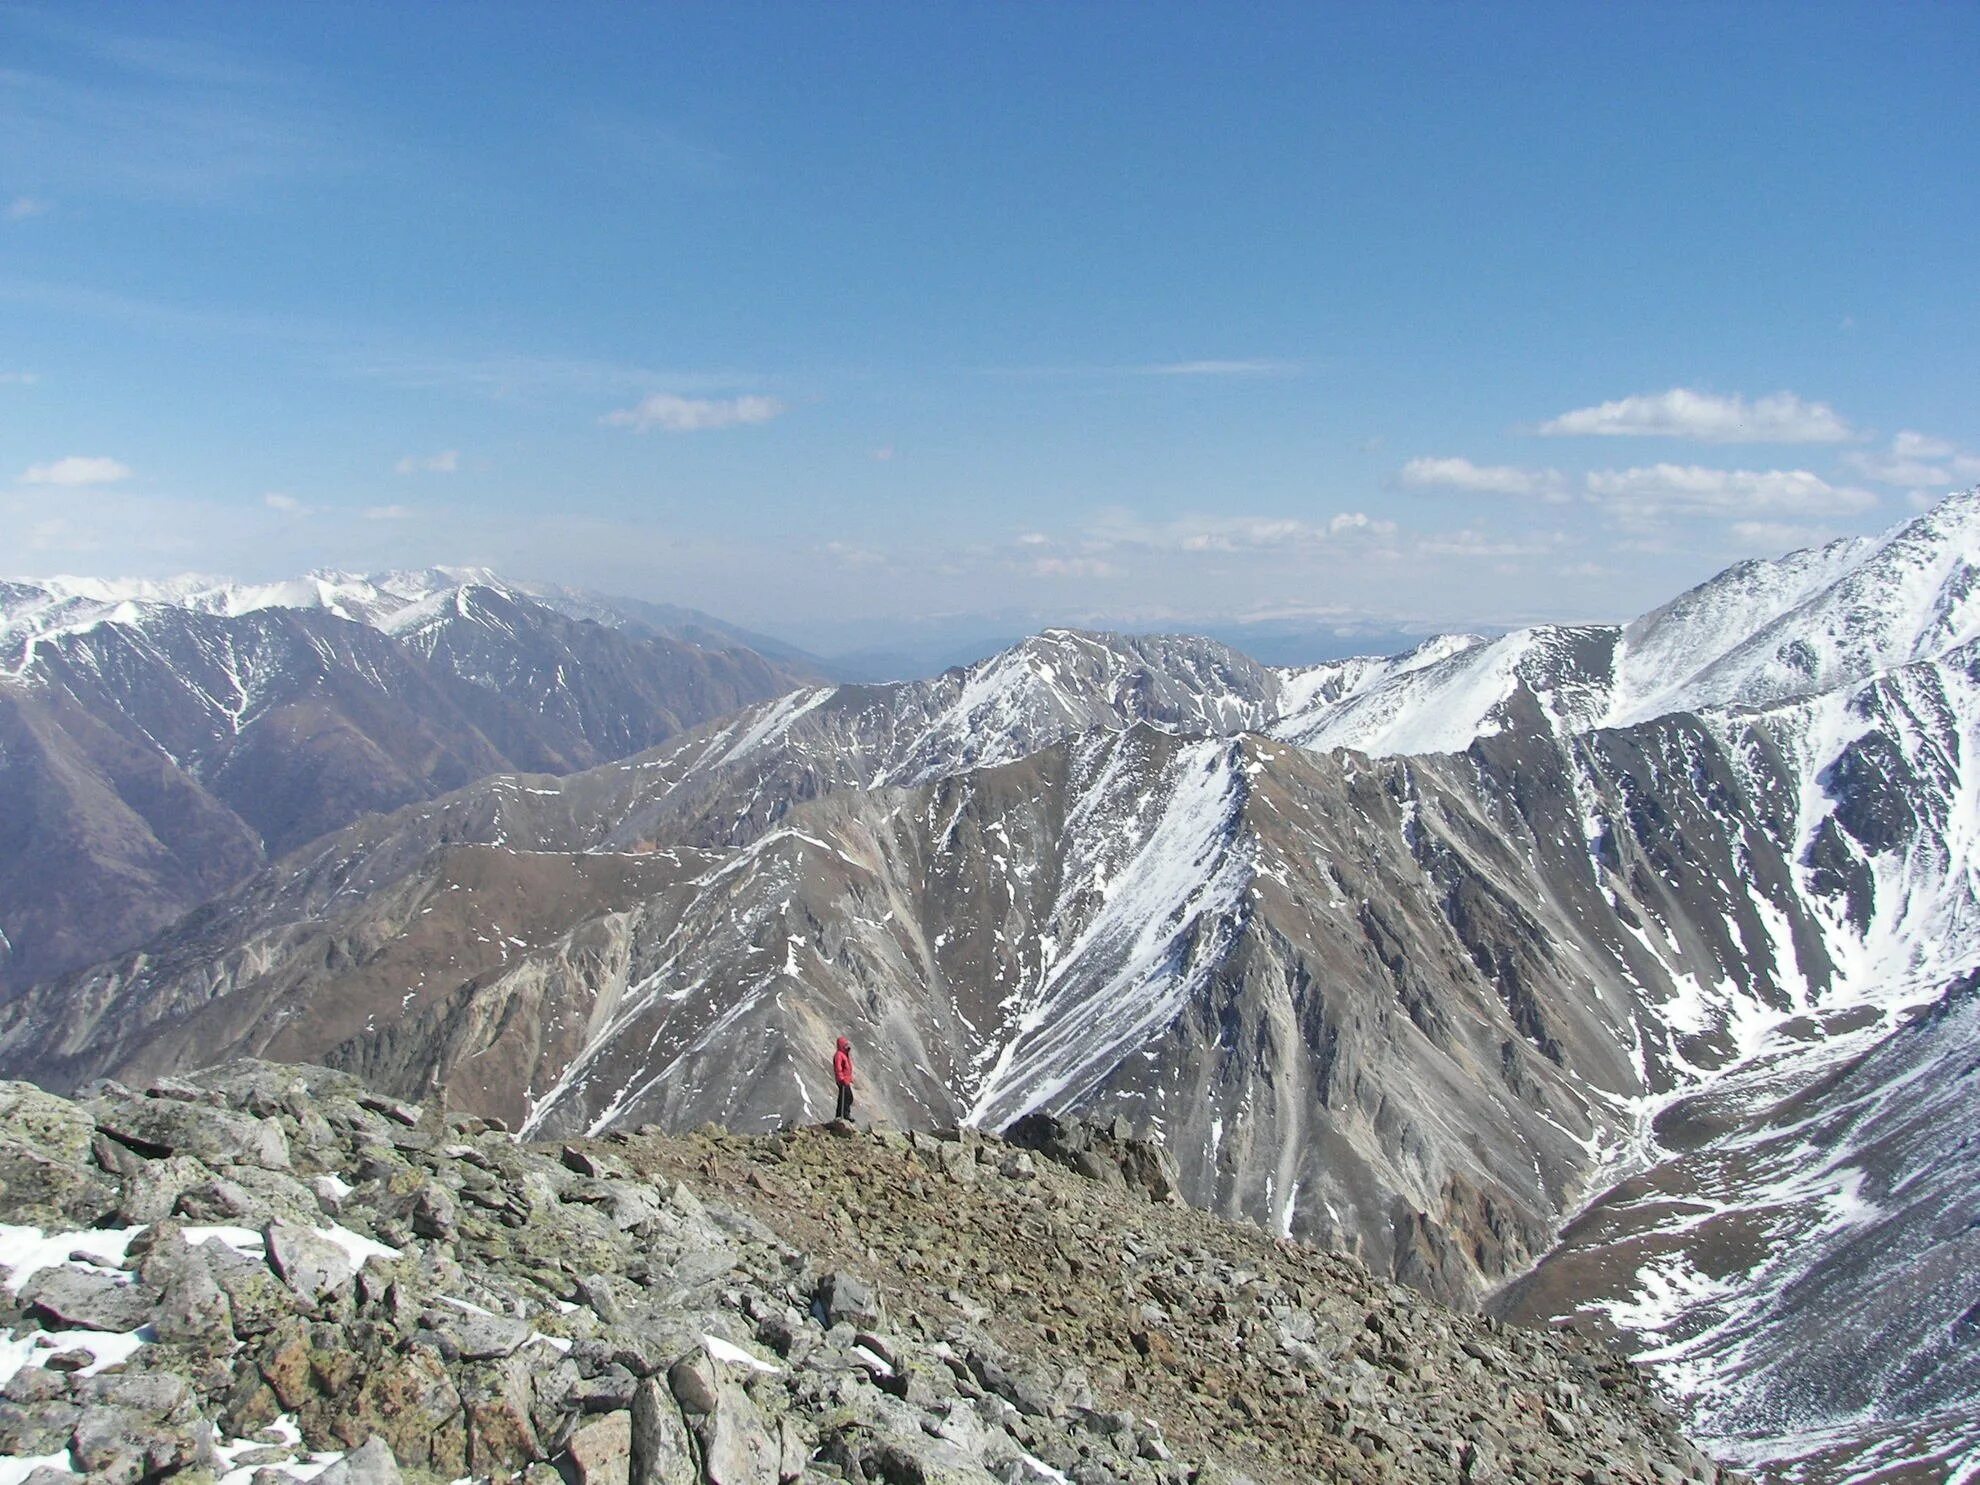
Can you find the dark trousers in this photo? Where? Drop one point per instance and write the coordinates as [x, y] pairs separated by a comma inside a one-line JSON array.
[[845, 1110]]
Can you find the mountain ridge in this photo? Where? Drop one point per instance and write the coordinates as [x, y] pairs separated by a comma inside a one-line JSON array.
[[1426, 1006], [194, 731]]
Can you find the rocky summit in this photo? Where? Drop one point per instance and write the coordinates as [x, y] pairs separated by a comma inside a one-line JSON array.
[[266, 1272]]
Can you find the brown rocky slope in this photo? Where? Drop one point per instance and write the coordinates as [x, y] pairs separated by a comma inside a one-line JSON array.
[[268, 1266]]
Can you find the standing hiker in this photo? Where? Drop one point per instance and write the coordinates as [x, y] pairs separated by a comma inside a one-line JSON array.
[[842, 1074]]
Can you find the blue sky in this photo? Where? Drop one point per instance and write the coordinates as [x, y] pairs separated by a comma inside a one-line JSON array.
[[830, 317]]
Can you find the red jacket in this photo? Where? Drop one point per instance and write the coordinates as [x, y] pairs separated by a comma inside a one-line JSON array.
[[842, 1062]]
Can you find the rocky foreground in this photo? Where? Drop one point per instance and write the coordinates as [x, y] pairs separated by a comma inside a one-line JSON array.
[[269, 1272]]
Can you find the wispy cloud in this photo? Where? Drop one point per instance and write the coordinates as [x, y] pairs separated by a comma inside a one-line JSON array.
[[1917, 460], [149, 118], [76, 471], [1688, 489], [1229, 533], [1702, 417], [1780, 536], [1254, 367], [1072, 567], [852, 554], [447, 461], [23, 208], [389, 513], [651, 150], [1482, 479], [19, 378], [1471, 544], [510, 374], [676, 414], [276, 500]]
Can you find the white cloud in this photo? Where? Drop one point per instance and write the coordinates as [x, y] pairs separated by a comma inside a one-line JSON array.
[[19, 378], [276, 500], [851, 554], [1705, 418], [678, 414], [1780, 536], [1354, 520], [1909, 445], [1233, 533], [1688, 489], [447, 461], [1917, 460], [388, 513], [1484, 479], [884, 454], [1475, 545], [1075, 567], [23, 207], [76, 470]]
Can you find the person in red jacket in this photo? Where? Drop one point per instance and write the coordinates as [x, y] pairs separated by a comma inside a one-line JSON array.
[[842, 1074]]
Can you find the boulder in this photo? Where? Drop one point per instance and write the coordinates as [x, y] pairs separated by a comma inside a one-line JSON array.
[[78, 1299], [371, 1463], [662, 1449], [848, 1299], [600, 1453], [309, 1263], [47, 1177]]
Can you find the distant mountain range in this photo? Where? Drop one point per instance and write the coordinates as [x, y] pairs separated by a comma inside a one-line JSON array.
[[1615, 972], [158, 742]]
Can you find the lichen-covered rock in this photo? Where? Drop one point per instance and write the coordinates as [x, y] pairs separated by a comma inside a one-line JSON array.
[[600, 1452], [714, 1310], [77, 1299], [662, 1449], [371, 1463], [47, 1174], [310, 1265]]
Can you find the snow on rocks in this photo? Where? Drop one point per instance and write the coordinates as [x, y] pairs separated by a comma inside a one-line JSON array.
[[559, 1322]]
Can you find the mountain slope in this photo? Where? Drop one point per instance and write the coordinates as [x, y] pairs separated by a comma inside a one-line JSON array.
[[273, 1267], [166, 738], [1429, 1006]]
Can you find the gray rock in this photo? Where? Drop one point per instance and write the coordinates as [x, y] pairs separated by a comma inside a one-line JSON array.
[[736, 1447], [609, 1391], [75, 1299], [496, 1395], [46, 1174], [600, 1452], [310, 1265], [475, 1337], [117, 1446], [217, 1137], [848, 1299], [662, 1449], [33, 1384], [257, 1300], [194, 1309], [35, 1428], [151, 1395], [179, 1090], [693, 1382], [153, 1188], [435, 1213], [371, 1463], [927, 1461], [399, 1113]]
